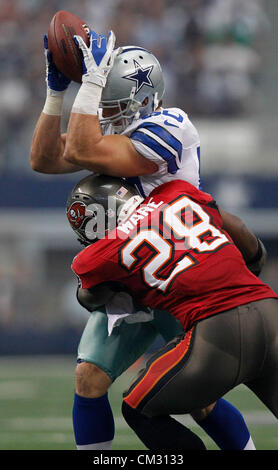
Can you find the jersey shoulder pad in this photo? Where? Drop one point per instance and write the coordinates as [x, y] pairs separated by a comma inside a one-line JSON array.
[[156, 138], [170, 128], [93, 264], [84, 261], [168, 118]]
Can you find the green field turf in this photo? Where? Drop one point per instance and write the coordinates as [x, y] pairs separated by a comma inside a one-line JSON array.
[[36, 402]]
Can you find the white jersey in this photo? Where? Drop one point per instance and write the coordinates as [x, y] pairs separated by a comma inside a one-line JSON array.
[[168, 138]]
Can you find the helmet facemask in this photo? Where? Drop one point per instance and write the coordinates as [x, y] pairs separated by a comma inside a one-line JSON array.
[[125, 111]]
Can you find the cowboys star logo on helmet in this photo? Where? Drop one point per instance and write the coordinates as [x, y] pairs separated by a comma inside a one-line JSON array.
[[125, 97], [141, 76]]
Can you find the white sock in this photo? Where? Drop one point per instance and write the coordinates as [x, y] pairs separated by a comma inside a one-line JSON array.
[[98, 446], [250, 445]]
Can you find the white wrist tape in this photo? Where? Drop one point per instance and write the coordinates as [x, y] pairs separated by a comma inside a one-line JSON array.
[[54, 104], [87, 99]]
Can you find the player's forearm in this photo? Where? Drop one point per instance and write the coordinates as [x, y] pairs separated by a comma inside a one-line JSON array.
[[87, 147], [245, 240], [46, 142], [112, 155], [84, 134], [251, 248], [83, 138], [47, 147]]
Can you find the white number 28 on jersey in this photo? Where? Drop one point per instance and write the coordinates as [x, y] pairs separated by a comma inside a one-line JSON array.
[[189, 224]]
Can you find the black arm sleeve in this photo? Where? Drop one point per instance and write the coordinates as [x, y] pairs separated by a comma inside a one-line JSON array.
[[257, 263]]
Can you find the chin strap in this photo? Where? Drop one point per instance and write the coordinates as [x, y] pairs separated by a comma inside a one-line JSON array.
[[128, 208]]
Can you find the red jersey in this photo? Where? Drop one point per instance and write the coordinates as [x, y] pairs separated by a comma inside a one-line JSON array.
[[173, 254]]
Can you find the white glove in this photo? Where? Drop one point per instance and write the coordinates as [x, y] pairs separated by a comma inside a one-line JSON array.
[[98, 57]]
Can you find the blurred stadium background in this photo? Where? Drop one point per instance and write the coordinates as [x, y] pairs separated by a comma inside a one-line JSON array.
[[220, 63]]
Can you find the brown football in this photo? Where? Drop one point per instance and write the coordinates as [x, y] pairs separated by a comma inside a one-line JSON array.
[[65, 53]]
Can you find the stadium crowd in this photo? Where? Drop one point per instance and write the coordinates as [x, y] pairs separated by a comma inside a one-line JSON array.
[[209, 51]]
